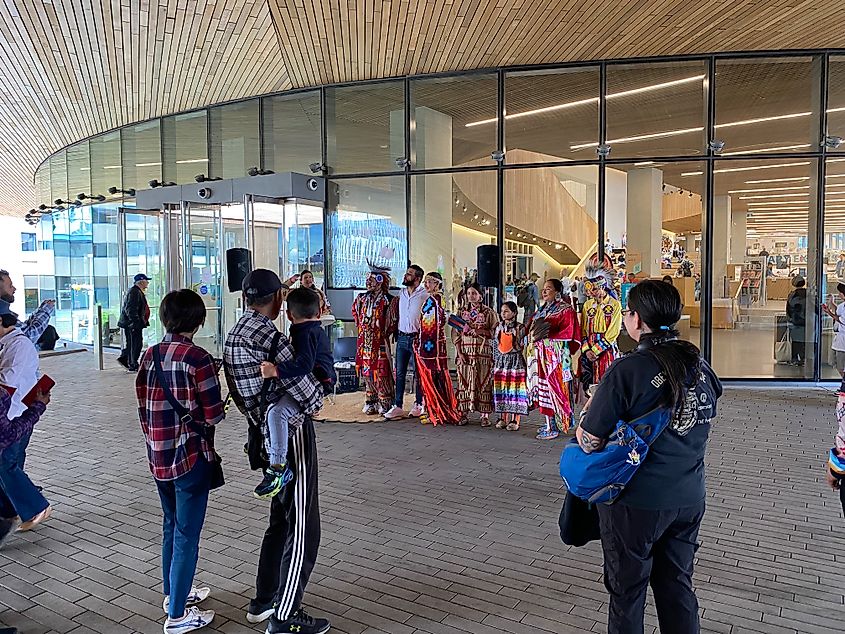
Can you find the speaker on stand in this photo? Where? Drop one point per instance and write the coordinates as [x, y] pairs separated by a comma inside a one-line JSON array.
[[238, 265], [488, 271]]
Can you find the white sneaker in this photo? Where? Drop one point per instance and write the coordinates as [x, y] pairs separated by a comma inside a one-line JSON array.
[[369, 409], [196, 595], [416, 411], [395, 413], [194, 619]]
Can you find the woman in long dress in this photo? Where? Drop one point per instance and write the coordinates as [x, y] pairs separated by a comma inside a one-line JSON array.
[[510, 393], [475, 356], [557, 336], [441, 408]]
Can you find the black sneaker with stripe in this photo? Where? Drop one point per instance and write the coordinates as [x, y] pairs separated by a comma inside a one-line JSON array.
[[300, 622]]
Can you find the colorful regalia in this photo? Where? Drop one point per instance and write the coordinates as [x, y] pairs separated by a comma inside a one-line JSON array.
[[475, 376], [374, 313], [601, 321], [554, 378], [440, 404], [510, 387]]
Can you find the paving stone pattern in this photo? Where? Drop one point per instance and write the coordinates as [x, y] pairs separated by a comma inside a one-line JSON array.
[[424, 530]]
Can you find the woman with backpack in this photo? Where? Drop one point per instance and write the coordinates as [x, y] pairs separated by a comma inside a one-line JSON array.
[[649, 536]]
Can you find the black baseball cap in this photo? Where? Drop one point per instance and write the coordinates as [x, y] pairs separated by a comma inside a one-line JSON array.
[[142, 278], [261, 283]]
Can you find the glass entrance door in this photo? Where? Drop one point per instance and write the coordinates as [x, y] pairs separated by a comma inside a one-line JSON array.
[[287, 237], [207, 232]]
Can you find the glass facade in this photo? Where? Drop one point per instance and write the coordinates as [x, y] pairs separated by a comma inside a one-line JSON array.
[[722, 171]]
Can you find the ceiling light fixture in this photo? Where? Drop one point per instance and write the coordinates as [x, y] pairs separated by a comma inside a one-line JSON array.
[[777, 148], [147, 164], [761, 196], [591, 100], [186, 161], [779, 180], [748, 169]]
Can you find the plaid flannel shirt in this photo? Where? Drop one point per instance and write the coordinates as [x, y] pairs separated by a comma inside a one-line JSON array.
[[246, 346], [172, 446], [38, 321]]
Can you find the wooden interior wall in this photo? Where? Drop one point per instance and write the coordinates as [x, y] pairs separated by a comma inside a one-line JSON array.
[[73, 68]]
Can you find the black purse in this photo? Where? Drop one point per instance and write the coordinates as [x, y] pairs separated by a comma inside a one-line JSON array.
[[579, 521], [215, 477]]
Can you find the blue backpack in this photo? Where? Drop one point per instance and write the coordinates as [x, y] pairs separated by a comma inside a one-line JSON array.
[[601, 476]]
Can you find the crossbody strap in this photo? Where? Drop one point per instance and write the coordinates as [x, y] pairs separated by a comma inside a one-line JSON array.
[[181, 411], [265, 387]]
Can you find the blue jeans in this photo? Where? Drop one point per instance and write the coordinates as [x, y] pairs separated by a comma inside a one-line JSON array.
[[18, 496], [278, 416], [183, 502], [404, 354]]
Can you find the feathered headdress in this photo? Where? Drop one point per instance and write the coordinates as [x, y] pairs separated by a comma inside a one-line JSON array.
[[601, 277], [380, 272]]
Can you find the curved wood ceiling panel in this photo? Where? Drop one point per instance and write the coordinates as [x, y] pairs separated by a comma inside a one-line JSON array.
[[73, 68]]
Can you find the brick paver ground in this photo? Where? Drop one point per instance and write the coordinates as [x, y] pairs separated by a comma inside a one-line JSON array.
[[425, 530]]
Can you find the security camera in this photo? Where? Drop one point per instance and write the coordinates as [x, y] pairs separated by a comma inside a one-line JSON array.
[[603, 150], [832, 142], [317, 167], [498, 156], [204, 193], [716, 146], [312, 184], [402, 162]]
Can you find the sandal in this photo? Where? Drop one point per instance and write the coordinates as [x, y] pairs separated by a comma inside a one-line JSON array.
[[513, 426], [501, 423], [485, 421], [463, 421]]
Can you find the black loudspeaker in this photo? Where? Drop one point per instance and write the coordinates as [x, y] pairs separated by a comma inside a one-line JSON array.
[[238, 264], [488, 265]]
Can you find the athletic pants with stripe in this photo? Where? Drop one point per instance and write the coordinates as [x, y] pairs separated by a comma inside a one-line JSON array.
[[290, 545]]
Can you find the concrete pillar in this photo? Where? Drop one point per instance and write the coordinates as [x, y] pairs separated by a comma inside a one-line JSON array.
[[721, 243], [645, 220], [739, 235], [615, 205]]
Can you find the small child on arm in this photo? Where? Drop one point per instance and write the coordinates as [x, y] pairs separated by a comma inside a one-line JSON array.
[[312, 355]]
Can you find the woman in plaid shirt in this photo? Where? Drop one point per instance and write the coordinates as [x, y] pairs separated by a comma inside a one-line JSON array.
[[179, 457]]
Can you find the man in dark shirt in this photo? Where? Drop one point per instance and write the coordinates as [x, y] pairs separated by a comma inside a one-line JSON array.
[[134, 317]]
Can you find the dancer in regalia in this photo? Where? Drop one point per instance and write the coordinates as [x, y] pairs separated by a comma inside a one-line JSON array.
[[557, 336], [375, 313], [510, 393], [474, 355], [601, 320], [440, 404]]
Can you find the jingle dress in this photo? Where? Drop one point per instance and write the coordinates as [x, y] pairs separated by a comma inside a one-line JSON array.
[[553, 382], [510, 388], [475, 376], [432, 364]]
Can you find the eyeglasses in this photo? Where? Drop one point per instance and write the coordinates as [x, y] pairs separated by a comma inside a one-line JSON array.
[[627, 312]]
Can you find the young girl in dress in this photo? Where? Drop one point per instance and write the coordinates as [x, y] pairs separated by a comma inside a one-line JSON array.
[[510, 391]]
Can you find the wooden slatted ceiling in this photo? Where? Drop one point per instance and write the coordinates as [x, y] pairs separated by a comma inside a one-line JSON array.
[[74, 68]]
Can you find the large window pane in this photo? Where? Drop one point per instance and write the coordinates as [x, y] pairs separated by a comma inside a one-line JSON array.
[[455, 120], [233, 143], [654, 217], [656, 109], [550, 223], [451, 216], [42, 185], [106, 165], [836, 99], [79, 170], [764, 268], [291, 132], [767, 105], [366, 221], [549, 111], [141, 145], [365, 127], [184, 140], [833, 268], [58, 176]]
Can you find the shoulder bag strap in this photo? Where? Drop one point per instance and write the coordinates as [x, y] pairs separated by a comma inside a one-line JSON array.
[[265, 387], [181, 411]]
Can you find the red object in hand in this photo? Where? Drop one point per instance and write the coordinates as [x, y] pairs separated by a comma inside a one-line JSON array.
[[44, 385]]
